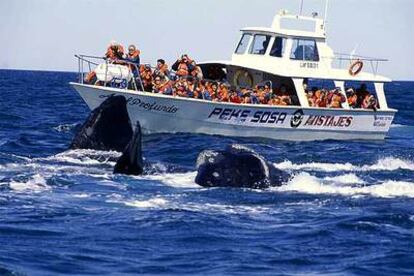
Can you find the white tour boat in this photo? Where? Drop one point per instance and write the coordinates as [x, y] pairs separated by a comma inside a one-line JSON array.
[[292, 51]]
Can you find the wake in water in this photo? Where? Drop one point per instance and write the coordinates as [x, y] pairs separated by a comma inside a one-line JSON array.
[[33, 175]]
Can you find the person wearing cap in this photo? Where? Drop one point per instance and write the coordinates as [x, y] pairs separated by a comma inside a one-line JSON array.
[[133, 55], [133, 58]]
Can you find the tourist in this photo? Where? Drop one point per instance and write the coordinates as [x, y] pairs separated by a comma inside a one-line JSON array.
[[115, 51], [162, 69], [183, 66]]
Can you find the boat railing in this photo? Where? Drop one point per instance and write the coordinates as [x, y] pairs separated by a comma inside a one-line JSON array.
[[89, 61], [344, 61]]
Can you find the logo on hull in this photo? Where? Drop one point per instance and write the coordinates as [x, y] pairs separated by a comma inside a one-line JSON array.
[[296, 118]]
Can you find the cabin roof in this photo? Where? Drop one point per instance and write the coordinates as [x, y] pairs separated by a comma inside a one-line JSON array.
[[287, 33]]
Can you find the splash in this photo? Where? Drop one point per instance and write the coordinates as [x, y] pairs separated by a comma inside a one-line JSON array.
[[177, 180], [306, 183], [384, 164], [36, 184], [157, 202]]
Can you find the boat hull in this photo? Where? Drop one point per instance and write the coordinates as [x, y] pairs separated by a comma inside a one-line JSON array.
[[165, 114]]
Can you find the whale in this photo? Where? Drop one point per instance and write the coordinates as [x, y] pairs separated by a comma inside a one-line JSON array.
[[239, 167], [131, 161], [107, 128]]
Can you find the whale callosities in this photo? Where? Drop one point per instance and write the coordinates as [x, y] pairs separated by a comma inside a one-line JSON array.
[[237, 166], [107, 128], [131, 161]]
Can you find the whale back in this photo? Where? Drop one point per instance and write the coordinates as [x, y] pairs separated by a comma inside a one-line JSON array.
[[107, 128], [237, 166]]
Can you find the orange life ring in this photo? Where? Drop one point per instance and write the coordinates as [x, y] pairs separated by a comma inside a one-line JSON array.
[[356, 67]]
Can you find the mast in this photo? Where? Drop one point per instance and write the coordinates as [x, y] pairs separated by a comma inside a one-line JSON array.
[[301, 7], [326, 14]]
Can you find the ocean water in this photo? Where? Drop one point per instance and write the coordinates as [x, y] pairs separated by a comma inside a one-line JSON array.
[[348, 209]]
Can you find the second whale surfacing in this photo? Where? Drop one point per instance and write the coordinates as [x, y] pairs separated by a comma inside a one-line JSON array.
[[131, 161], [237, 166]]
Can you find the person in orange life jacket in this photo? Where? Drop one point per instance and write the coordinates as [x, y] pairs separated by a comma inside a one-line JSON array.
[[162, 86], [133, 57], [146, 76], [335, 98], [162, 69], [183, 66], [223, 93], [352, 98], [115, 51]]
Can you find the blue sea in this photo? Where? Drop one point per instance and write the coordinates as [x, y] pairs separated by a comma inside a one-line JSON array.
[[348, 209]]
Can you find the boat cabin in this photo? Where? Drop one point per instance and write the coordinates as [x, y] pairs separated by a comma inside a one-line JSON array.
[[291, 52]]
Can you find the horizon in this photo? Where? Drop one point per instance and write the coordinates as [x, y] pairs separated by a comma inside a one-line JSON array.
[[33, 40]]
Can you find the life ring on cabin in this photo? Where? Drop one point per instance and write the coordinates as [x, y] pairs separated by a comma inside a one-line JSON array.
[[356, 67], [242, 78]]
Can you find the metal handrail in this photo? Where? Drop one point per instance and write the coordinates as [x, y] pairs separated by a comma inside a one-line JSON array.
[[85, 59]]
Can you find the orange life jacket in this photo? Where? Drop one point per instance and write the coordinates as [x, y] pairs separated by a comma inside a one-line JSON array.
[[182, 69], [163, 68]]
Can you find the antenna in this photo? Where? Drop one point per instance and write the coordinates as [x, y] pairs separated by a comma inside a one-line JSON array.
[[301, 7], [326, 13]]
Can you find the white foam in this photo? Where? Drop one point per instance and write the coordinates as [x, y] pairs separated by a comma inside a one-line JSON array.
[[384, 164], [389, 164], [84, 157], [306, 183], [36, 183], [314, 166], [346, 179], [156, 202], [64, 127], [178, 180], [83, 195]]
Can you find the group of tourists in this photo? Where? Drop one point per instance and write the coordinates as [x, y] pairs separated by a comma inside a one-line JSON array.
[[359, 98], [185, 79]]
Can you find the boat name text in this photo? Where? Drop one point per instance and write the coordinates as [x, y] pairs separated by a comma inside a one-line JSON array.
[[261, 117], [146, 105], [329, 121]]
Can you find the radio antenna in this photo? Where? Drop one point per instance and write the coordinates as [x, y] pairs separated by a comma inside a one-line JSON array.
[[326, 13], [301, 7]]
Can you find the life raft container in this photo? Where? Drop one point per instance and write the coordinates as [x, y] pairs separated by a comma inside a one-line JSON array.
[[113, 72]]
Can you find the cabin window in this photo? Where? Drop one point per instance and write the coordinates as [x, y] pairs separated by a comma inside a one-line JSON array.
[[304, 49], [259, 45], [244, 42], [278, 47]]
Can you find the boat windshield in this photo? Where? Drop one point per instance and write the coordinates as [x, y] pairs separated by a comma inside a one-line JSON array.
[[304, 49], [259, 45], [244, 42], [278, 47]]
